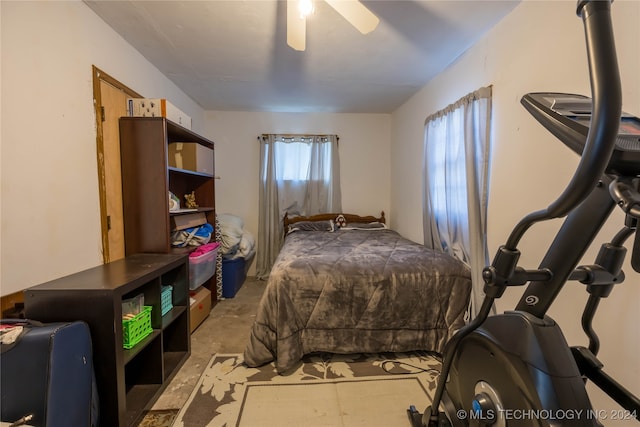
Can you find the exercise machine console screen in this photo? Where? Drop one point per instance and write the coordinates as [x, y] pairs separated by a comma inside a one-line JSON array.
[[568, 117]]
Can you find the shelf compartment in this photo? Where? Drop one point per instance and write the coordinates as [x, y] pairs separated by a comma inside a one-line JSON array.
[[172, 361], [177, 133], [175, 346], [137, 400], [138, 396], [172, 315], [200, 184], [173, 338], [130, 354], [146, 366], [189, 172]]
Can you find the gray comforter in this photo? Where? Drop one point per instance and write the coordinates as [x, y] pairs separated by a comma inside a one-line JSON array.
[[357, 291]]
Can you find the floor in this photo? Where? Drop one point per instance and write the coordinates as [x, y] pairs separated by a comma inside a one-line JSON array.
[[226, 330]]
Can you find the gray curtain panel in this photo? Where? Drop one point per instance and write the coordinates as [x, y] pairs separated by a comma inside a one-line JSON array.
[[456, 172]]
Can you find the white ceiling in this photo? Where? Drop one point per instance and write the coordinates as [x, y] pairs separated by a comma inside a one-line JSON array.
[[232, 55]]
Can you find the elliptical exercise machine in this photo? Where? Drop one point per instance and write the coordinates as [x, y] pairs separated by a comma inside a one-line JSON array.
[[519, 363]]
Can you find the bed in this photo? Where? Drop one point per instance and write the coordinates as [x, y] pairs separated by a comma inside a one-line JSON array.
[[348, 284]]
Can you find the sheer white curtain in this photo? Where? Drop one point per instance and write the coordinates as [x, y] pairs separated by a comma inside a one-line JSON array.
[[456, 171], [299, 175]]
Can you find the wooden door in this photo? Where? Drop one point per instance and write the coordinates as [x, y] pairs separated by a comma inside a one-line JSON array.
[[114, 107], [110, 100]]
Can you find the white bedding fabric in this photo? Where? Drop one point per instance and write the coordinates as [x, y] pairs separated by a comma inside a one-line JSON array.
[[235, 241]]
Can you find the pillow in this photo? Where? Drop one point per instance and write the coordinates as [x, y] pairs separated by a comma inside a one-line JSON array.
[[231, 230], [364, 226], [230, 219], [311, 226]]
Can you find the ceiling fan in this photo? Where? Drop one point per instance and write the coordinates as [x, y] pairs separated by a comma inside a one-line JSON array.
[[352, 10]]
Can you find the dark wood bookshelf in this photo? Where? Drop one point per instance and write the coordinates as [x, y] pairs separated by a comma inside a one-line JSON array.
[[128, 380], [147, 180]]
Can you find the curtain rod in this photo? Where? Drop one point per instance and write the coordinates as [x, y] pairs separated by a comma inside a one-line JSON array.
[[294, 135]]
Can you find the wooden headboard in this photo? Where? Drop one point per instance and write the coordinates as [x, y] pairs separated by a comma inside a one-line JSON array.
[[327, 216]]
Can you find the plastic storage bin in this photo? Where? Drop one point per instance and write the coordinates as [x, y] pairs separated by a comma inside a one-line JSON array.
[[201, 268], [136, 329], [166, 301], [233, 276]]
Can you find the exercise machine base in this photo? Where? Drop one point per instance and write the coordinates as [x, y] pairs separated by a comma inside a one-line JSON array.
[[416, 418]]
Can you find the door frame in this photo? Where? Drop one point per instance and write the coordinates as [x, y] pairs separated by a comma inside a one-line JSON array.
[[98, 77]]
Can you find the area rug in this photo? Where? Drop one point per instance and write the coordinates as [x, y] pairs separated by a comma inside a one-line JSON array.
[[158, 418], [325, 391]]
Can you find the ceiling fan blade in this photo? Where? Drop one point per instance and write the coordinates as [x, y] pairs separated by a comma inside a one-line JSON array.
[[356, 13], [296, 27]]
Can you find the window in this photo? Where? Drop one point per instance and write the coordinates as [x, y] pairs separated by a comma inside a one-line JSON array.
[[293, 160], [299, 175], [445, 164]]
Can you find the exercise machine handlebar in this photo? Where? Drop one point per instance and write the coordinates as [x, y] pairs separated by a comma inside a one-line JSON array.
[[606, 94]]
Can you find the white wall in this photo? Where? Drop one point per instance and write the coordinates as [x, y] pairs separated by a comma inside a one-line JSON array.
[[49, 207], [50, 210], [364, 150], [538, 47]]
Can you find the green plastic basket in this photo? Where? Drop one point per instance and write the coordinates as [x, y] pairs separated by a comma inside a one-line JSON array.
[[165, 299], [136, 329]]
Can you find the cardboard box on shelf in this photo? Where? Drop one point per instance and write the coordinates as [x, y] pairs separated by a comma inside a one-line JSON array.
[[184, 221], [157, 107], [191, 156], [200, 307]]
